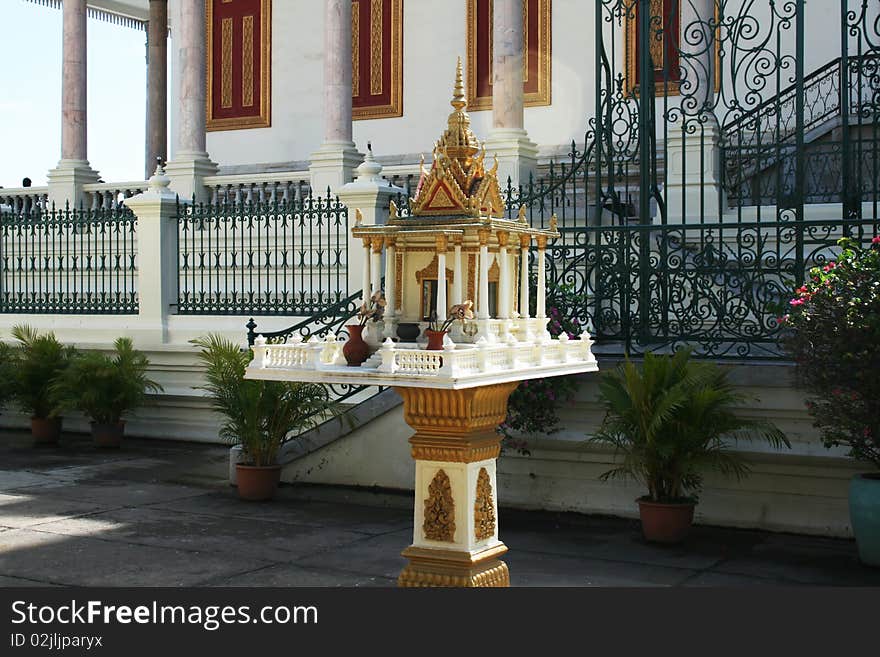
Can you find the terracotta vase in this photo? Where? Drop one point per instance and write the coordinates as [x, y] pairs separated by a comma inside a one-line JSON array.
[[46, 430], [435, 339], [257, 483], [356, 351], [108, 435], [666, 523]]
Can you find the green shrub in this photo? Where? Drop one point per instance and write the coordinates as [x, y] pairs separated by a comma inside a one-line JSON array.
[[834, 337], [104, 387], [7, 373], [259, 415], [39, 360], [673, 419]]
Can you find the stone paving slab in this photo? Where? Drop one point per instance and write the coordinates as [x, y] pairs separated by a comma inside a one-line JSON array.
[[162, 514], [84, 561]]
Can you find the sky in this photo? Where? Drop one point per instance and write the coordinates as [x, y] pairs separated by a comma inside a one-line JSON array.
[[30, 95]]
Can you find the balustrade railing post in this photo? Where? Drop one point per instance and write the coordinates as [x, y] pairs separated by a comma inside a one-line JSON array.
[[157, 256]]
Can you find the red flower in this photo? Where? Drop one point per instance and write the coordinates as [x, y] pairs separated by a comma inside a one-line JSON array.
[[796, 302], [876, 240]]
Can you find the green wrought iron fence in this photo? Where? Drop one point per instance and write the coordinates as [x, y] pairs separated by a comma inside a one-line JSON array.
[[720, 288], [272, 257], [70, 261]]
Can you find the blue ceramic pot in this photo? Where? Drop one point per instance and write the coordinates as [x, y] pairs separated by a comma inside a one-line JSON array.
[[864, 513]]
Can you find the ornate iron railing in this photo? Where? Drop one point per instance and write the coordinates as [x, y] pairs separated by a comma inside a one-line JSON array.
[[719, 288], [275, 257], [331, 320], [69, 261]]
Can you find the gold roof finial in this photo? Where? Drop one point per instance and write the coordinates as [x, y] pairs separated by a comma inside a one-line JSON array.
[[459, 100]]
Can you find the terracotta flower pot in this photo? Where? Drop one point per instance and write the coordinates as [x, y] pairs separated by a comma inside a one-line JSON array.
[[666, 523], [435, 339], [46, 430], [257, 483], [356, 351], [108, 435]]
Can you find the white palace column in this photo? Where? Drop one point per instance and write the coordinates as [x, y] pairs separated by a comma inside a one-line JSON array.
[[483, 289], [333, 164], [508, 140], [73, 171], [457, 273], [190, 163], [694, 189], [541, 303]]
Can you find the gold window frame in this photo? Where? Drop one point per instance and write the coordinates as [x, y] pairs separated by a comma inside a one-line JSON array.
[[541, 97], [264, 120]]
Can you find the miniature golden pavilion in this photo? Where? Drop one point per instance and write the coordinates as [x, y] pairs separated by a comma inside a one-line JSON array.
[[456, 227], [455, 397]]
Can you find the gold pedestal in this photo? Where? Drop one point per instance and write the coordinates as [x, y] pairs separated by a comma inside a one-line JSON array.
[[455, 537]]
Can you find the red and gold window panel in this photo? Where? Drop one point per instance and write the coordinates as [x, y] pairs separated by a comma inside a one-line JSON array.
[[377, 58], [664, 44], [536, 52], [239, 60]]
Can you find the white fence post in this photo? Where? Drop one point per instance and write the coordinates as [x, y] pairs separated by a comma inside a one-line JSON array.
[[157, 258]]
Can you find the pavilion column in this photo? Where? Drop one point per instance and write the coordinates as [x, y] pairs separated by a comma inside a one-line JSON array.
[[457, 275], [390, 277], [541, 306], [157, 85], [504, 278], [365, 274], [694, 189], [508, 140], [524, 243], [73, 171], [442, 305], [190, 163], [333, 164], [376, 264], [483, 307]]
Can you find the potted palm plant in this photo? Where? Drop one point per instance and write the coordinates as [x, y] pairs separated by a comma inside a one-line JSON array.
[[39, 359], [669, 422], [104, 387], [258, 415], [7, 373]]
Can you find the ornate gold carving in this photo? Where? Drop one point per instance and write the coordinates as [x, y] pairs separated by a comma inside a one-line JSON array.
[[376, 11], [398, 281], [247, 61], [449, 415], [541, 241], [503, 237], [389, 241], [439, 523], [472, 275], [392, 210], [377, 241], [494, 271], [542, 96], [442, 243], [480, 447], [226, 63], [484, 507], [355, 48], [525, 241], [484, 235], [431, 272], [447, 568], [366, 241], [554, 222], [358, 217], [458, 183], [522, 215]]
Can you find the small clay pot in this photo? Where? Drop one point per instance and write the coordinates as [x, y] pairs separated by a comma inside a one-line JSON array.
[[108, 435], [45, 430], [435, 339], [356, 351], [257, 483], [666, 522]]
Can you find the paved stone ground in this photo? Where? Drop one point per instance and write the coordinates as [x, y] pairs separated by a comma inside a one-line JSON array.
[[161, 514]]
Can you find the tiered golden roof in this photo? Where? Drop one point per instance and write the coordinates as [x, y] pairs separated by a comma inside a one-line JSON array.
[[458, 183]]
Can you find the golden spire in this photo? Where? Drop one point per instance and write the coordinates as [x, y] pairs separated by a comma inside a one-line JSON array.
[[458, 183], [458, 142]]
